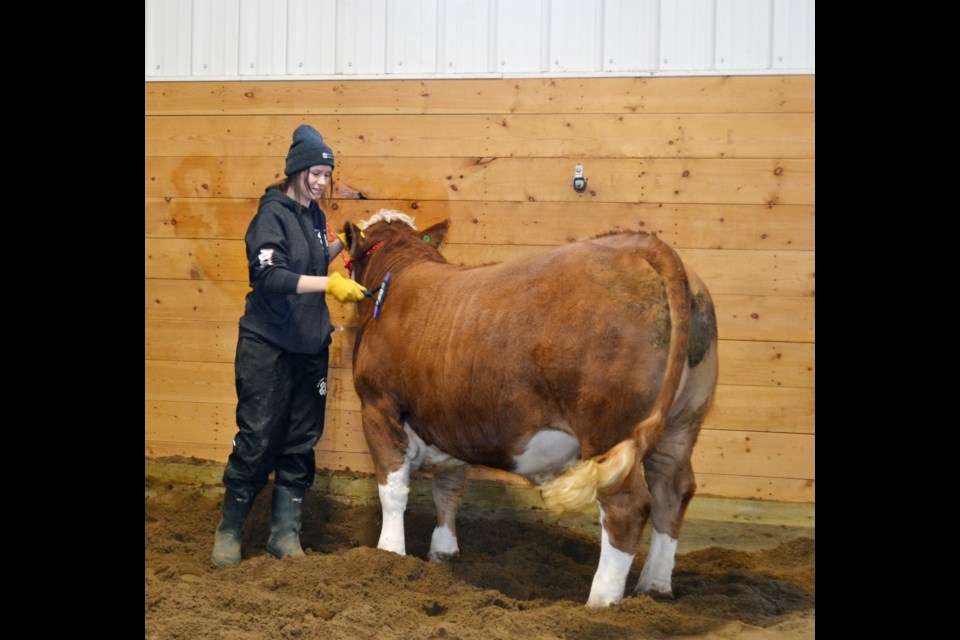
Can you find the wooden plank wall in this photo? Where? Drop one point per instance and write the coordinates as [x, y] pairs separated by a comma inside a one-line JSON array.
[[720, 167]]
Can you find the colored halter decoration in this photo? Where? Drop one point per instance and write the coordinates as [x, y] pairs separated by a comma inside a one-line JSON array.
[[348, 262]]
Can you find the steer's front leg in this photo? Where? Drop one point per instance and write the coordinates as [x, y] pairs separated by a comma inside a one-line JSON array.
[[393, 502], [388, 446]]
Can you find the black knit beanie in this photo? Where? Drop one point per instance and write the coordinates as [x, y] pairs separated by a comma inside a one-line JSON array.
[[308, 149]]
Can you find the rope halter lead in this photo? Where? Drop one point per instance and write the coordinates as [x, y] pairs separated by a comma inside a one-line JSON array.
[[348, 262]]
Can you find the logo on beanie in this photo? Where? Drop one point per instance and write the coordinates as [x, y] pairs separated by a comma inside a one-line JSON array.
[[326, 156]]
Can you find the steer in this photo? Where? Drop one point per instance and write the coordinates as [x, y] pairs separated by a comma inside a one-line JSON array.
[[572, 367]]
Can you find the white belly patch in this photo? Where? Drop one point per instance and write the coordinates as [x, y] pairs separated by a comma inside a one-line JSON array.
[[549, 453], [426, 456]]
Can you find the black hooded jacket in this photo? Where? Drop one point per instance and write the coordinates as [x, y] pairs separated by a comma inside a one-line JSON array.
[[282, 245]]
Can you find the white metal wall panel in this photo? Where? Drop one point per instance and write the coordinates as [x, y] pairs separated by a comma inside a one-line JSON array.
[[631, 33], [170, 44], [466, 47], [263, 37], [411, 36], [686, 34], [575, 32], [215, 30], [232, 39], [311, 37], [361, 36], [743, 34], [519, 35], [151, 62], [794, 32]]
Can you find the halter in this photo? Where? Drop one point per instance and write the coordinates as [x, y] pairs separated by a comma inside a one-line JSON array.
[[348, 262]]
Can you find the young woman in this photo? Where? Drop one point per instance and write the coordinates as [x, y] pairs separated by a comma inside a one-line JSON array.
[[282, 350]]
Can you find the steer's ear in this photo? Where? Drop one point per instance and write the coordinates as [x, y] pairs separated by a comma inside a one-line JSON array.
[[352, 232], [437, 234]]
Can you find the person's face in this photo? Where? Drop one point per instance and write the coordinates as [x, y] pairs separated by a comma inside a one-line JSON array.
[[317, 178]]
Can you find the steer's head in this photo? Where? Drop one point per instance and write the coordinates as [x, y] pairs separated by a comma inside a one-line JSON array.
[[389, 241]]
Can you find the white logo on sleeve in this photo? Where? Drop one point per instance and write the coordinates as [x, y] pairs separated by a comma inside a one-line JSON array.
[[266, 258]]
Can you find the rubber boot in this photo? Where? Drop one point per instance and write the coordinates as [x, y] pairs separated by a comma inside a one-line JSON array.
[[285, 522], [226, 542]]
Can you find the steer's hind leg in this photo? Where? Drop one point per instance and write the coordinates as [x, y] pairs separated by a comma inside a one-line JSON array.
[[670, 478], [668, 470], [622, 517], [448, 486]]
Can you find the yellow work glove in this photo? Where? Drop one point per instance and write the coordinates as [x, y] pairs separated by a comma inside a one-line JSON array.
[[344, 290]]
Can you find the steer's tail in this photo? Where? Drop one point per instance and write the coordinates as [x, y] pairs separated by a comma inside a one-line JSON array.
[[606, 473]]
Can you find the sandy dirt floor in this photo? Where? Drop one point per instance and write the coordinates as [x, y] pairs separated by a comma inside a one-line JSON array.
[[521, 574]]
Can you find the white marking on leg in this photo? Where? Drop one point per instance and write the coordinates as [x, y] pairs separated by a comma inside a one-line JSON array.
[[611, 576], [658, 567], [443, 544], [393, 501], [548, 453]]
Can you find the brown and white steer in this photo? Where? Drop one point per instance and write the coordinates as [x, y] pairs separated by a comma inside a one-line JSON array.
[[572, 368]]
